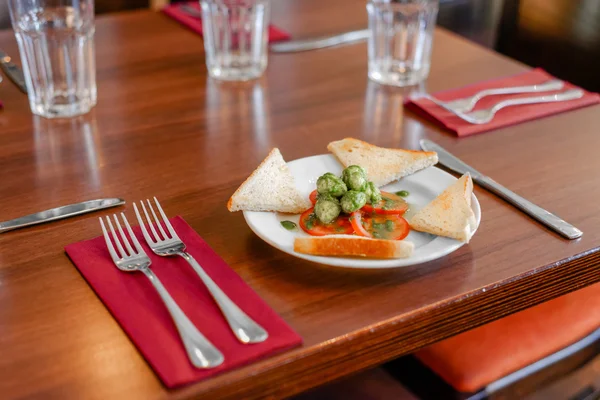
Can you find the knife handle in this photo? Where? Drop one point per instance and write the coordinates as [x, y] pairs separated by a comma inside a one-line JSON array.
[[538, 213], [320, 43]]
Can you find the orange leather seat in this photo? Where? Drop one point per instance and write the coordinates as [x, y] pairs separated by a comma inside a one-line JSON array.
[[472, 360]]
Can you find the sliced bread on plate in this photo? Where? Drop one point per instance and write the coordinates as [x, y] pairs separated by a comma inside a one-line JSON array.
[[382, 165], [450, 213], [269, 188], [353, 246]]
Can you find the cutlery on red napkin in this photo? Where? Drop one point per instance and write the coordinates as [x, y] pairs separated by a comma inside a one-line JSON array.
[[505, 117], [138, 309], [194, 23]]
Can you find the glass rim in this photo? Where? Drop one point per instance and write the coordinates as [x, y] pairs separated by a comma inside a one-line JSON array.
[[400, 2], [234, 3], [393, 5]]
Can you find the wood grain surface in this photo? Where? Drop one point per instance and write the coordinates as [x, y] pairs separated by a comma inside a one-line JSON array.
[[162, 128]]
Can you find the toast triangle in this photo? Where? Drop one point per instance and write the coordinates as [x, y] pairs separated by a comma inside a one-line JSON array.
[[450, 213], [269, 188], [382, 165]]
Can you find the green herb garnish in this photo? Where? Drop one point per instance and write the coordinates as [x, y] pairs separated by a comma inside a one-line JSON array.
[[402, 193], [389, 225], [289, 225], [310, 223], [378, 225], [388, 203]]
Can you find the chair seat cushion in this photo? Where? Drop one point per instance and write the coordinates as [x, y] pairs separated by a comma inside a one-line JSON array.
[[473, 359]]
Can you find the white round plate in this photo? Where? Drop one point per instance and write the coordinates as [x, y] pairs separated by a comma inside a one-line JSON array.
[[423, 187]]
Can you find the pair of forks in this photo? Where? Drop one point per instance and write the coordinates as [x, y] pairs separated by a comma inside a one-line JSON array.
[[463, 108], [201, 352]]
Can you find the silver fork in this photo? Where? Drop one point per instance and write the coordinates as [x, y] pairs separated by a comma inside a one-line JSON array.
[[243, 327], [466, 104], [484, 116], [200, 351]]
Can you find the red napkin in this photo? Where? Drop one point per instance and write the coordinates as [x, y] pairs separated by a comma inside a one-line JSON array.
[[135, 304], [505, 117], [194, 23]]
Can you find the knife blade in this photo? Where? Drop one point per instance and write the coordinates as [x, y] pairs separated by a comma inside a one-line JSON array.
[[545, 217], [299, 45], [319, 43], [448, 160], [60, 213], [13, 71], [189, 10]]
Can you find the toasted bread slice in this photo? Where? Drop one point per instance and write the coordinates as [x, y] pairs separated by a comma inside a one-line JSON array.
[[383, 165], [269, 188], [450, 213], [353, 246]]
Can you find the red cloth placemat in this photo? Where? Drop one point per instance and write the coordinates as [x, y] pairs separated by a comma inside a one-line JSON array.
[[137, 307], [194, 23], [505, 117]]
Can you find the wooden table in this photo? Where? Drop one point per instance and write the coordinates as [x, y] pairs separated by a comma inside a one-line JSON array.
[[159, 119]]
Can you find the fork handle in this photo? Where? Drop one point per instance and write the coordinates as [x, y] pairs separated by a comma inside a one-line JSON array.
[[202, 353], [563, 96], [554, 84], [243, 327], [536, 212]]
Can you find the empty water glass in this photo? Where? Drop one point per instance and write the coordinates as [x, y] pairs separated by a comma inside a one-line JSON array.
[[235, 38], [56, 42], [400, 40]]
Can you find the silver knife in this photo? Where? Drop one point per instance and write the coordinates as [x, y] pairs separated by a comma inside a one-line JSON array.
[[189, 10], [299, 45], [319, 43], [13, 71], [60, 213], [545, 217]]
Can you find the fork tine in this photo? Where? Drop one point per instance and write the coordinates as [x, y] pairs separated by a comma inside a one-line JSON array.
[[150, 224], [157, 221], [123, 236], [109, 245], [132, 235], [149, 240], [116, 239], [166, 220]]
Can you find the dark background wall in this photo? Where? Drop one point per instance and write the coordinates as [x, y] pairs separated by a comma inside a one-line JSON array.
[[561, 36]]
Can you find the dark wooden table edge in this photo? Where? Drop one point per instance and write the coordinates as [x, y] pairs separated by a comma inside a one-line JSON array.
[[404, 334]]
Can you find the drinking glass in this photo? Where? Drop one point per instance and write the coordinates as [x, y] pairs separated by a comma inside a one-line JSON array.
[[235, 38], [56, 42], [400, 40]]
